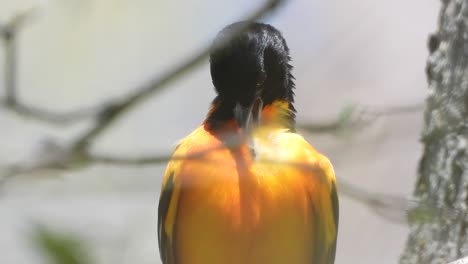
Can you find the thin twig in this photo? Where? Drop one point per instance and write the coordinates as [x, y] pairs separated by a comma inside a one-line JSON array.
[[399, 110], [10, 66], [396, 208], [49, 116], [148, 159], [391, 207], [353, 117], [9, 33]]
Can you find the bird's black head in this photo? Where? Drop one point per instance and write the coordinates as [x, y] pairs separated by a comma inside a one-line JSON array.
[[249, 62]]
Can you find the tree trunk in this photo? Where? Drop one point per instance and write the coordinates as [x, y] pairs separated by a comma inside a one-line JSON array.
[[443, 170]]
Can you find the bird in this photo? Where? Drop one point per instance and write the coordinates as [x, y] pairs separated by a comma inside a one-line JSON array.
[[244, 187]]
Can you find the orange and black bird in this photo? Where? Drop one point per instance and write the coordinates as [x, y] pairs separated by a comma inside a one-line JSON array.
[[244, 187]]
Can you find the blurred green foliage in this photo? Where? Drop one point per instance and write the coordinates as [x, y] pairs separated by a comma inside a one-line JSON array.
[[60, 247]]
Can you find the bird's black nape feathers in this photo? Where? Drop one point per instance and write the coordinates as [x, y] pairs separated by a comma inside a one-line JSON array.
[[249, 60]]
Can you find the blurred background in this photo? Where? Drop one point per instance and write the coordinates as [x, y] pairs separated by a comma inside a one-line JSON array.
[[369, 54]]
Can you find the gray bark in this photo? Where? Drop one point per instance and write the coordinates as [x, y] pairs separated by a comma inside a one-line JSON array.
[[443, 169]]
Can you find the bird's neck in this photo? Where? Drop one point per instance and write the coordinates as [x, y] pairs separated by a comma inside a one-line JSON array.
[[278, 113], [281, 113]]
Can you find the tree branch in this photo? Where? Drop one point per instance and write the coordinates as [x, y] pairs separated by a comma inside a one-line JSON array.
[[106, 114], [115, 109], [393, 208], [48, 116], [354, 117], [8, 33]]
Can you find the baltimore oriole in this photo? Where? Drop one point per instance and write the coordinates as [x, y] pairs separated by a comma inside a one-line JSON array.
[[244, 187]]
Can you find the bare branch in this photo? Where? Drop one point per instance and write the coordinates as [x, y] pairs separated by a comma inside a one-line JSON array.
[[401, 110], [147, 159], [114, 110], [9, 33], [49, 116], [105, 113], [353, 117], [391, 207], [398, 209], [9, 37], [130, 161]]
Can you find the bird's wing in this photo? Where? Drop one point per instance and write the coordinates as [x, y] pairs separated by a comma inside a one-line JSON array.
[[325, 210], [336, 211], [167, 211], [323, 197], [194, 144]]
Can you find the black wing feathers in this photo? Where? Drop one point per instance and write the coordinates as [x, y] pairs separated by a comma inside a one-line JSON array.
[[165, 247]]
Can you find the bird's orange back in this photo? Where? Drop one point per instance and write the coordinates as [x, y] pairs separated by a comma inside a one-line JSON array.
[[233, 207]]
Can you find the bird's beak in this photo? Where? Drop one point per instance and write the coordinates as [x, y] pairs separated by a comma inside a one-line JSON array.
[[242, 114], [248, 116]]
